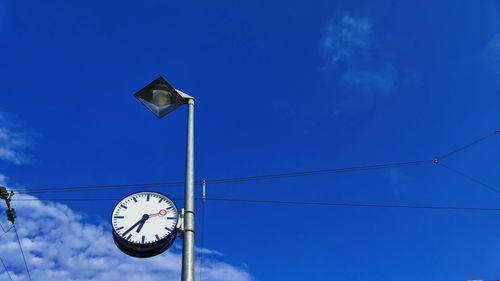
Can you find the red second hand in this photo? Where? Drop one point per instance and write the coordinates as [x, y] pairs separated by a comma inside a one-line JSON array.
[[161, 213]]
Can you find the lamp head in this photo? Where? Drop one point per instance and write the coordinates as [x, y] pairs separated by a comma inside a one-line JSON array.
[[160, 97]]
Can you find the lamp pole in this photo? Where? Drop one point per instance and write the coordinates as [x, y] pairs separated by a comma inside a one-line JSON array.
[[188, 241], [161, 99]]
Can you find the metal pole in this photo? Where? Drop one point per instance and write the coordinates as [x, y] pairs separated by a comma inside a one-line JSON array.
[[188, 242]]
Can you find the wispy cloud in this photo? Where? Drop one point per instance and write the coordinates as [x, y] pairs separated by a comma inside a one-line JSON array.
[[382, 80], [347, 39], [12, 142], [492, 53], [349, 46], [60, 245]]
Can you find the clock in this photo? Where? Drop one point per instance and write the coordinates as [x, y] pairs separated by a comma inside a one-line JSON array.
[[144, 224]]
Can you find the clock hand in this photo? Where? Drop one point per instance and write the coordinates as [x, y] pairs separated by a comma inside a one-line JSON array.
[[132, 227], [162, 212], [145, 217], [141, 222]]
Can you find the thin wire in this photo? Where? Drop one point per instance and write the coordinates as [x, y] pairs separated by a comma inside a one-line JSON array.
[[22, 252], [6, 270], [225, 180], [304, 203], [252, 178], [355, 205], [202, 238], [104, 186], [79, 199], [468, 145], [320, 172], [470, 178], [6, 231], [94, 188], [3, 229]]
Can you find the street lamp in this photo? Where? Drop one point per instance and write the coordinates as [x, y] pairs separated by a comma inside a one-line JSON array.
[[161, 99]]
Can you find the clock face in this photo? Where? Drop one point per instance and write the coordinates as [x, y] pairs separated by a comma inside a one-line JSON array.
[[144, 221]]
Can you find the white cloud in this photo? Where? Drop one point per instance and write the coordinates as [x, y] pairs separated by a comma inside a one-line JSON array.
[[382, 80], [12, 142], [348, 38], [3, 180], [61, 246], [349, 45], [205, 251], [492, 53]]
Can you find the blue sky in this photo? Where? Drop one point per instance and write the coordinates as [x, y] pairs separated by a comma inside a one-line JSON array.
[[280, 86]]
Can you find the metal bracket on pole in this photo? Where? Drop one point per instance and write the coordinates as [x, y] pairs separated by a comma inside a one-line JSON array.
[[180, 224], [204, 194]]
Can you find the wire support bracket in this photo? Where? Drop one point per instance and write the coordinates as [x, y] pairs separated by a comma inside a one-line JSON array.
[[204, 191], [180, 224]]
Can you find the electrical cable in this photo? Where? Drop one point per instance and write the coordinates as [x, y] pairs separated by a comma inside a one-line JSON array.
[[467, 146], [1, 235], [489, 187], [251, 178], [22, 252], [6, 270], [104, 186], [224, 180], [203, 229], [77, 199], [96, 188], [321, 172], [299, 203], [355, 204]]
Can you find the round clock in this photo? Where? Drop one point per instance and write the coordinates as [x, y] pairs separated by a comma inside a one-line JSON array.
[[144, 224]]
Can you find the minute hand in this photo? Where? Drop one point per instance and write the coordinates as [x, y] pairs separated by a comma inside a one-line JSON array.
[[141, 221]]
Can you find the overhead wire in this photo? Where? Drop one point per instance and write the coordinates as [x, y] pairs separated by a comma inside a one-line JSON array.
[[278, 202], [254, 178], [489, 187], [203, 230], [250, 178], [7, 231], [22, 252], [6, 270], [467, 146], [96, 188], [354, 204], [76, 199], [223, 180], [3, 263]]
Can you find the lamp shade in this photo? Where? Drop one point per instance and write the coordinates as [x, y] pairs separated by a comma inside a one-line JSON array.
[[160, 97]]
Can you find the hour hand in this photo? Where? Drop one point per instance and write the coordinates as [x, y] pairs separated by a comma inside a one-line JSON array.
[[140, 226], [145, 217], [132, 227], [140, 223]]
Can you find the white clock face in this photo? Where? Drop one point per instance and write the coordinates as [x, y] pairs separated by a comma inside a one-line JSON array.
[[144, 217]]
